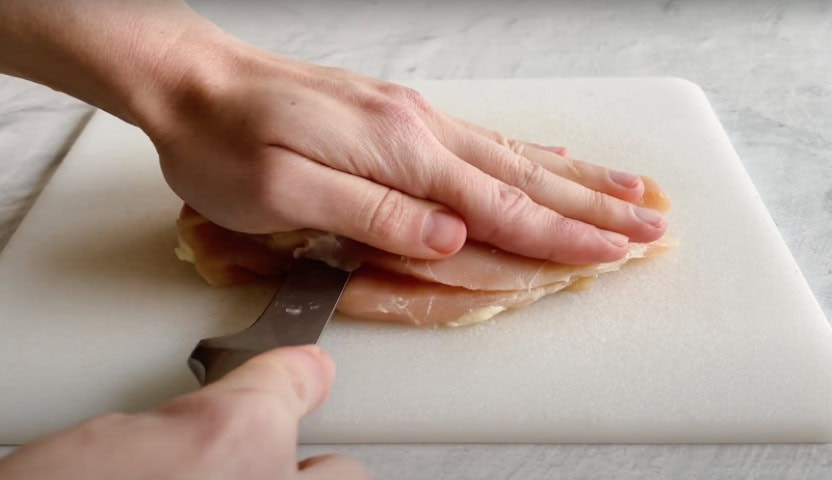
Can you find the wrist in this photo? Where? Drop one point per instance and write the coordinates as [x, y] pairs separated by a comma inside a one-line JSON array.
[[127, 58], [177, 76], [162, 57]]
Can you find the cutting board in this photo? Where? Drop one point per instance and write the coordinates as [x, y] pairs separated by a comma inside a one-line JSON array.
[[720, 340]]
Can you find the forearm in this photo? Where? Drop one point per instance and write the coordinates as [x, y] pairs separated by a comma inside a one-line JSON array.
[[126, 57]]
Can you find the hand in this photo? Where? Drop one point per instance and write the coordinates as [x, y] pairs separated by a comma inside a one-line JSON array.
[[261, 143], [243, 427], [265, 144]]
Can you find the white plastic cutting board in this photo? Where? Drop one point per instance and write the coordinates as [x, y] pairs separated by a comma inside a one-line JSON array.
[[719, 341]]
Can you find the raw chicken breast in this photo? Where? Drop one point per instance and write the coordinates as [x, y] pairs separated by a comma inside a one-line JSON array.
[[383, 295], [477, 283]]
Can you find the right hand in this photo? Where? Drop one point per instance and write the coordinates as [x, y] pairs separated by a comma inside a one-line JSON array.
[[243, 427]]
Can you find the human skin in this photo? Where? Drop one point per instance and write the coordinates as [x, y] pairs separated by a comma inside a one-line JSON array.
[[243, 427], [261, 143]]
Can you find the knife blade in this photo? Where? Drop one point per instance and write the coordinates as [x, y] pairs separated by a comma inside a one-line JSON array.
[[297, 315]]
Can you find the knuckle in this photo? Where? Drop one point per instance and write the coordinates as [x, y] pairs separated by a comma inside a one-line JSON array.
[[417, 100], [573, 169], [397, 114], [566, 227], [513, 207], [598, 202], [514, 145], [395, 120], [403, 124], [402, 115], [499, 138], [514, 202], [386, 217], [572, 238], [530, 174], [406, 95]]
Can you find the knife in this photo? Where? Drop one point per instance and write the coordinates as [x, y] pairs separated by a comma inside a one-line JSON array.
[[297, 315]]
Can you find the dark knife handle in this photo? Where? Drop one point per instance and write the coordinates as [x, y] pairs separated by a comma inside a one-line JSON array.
[[209, 364], [214, 357]]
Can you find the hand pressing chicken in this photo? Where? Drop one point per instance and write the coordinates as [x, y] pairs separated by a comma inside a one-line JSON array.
[[260, 143]]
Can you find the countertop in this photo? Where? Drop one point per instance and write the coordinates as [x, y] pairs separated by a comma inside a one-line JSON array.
[[765, 66]]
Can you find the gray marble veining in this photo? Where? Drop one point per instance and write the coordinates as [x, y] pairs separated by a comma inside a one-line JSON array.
[[765, 66]]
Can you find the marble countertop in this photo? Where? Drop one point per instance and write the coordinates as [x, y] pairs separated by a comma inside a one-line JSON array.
[[765, 66]]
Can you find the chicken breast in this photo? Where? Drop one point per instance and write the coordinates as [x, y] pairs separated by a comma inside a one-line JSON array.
[[473, 285]]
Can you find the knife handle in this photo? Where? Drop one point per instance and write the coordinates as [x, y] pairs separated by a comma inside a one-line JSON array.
[[214, 357], [296, 315], [209, 363]]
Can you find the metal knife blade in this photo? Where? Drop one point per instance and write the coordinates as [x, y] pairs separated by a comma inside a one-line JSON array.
[[297, 315]]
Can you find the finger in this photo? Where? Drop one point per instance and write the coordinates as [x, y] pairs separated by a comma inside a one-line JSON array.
[[494, 212], [560, 194], [300, 376], [332, 466], [623, 185], [560, 151], [504, 215], [576, 201], [569, 198], [401, 153], [366, 211]]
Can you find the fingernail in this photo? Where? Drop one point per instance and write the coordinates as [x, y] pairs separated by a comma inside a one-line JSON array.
[[649, 216], [558, 150], [562, 151], [313, 350], [626, 180], [615, 238], [443, 232]]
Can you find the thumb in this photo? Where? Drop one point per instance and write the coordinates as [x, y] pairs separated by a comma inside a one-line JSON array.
[[300, 376]]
